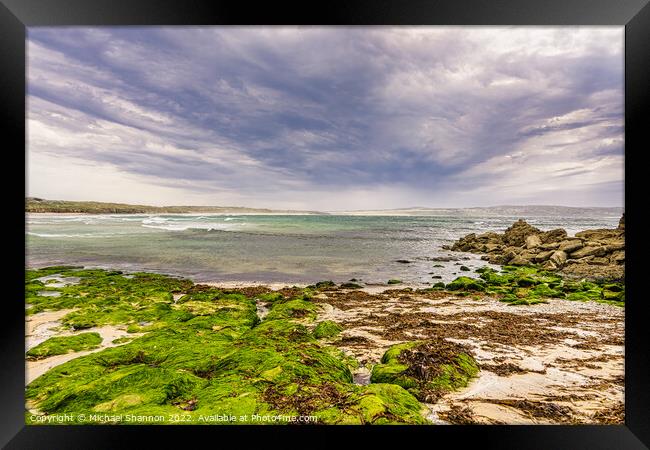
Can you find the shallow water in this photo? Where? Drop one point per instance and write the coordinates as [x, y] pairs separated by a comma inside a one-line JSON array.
[[270, 248]]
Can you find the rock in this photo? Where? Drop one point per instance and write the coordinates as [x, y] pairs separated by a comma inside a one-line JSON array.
[[571, 245], [528, 254], [549, 265], [590, 254], [519, 261], [543, 256], [489, 237], [617, 257], [497, 259], [558, 258], [517, 233], [595, 271], [466, 243], [443, 259], [601, 261], [554, 235], [327, 329], [614, 246], [465, 268], [493, 247], [584, 260], [600, 235], [533, 241], [511, 252], [588, 251], [466, 284]]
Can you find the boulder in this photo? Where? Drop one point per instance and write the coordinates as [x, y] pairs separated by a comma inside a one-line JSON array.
[[617, 257], [517, 233], [490, 237], [543, 256], [588, 251], [621, 223], [614, 246], [549, 265], [533, 241], [558, 258], [497, 259], [549, 246], [493, 247], [529, 255], [571, 245], [519, 261], [554, 235], [466, 243]]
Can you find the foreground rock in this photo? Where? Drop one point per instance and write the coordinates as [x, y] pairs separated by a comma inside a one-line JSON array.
[[427, 369], [594, 254]]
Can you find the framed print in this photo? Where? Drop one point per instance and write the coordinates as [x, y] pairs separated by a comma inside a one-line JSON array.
[[411, 218]]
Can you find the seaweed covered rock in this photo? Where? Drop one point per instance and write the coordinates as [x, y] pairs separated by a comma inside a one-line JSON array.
[[64, 344], [203, 354], [327, 329], [466, 284], [427, 369], [519, 285]]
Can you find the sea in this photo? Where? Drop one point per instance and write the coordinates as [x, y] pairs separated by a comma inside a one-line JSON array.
[[290, 249]]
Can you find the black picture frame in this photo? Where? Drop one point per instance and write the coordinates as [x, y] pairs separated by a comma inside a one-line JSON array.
[[16, 15]]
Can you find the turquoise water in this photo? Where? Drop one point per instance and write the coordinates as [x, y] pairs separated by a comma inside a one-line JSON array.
[[266, 248]]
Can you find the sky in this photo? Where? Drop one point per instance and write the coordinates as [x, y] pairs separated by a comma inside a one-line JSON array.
[[327, 118]]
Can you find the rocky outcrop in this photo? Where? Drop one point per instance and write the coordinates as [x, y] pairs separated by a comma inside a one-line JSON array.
[[596, 254]]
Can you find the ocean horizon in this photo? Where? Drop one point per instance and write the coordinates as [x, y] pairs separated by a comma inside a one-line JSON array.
[[266, 248]]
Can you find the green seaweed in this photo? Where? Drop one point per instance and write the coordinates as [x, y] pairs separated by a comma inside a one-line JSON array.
[[64, 344], [426, 369], [205, 354], [327, 329], [528, 285], [466, 284]]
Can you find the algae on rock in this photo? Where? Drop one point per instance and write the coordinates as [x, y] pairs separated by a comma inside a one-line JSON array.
[[427, 369], [59, 345], [205, 354]]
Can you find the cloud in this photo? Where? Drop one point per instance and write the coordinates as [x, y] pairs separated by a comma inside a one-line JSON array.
[[323, 117]]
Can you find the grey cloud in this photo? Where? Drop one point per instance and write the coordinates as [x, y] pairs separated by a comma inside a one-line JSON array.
[[329, 109]]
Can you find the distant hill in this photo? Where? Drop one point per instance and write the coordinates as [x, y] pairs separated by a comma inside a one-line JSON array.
[[515, 211], [546, 210], [38, 205]]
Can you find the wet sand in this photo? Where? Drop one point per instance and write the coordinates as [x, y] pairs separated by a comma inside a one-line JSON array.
[[44, 325]]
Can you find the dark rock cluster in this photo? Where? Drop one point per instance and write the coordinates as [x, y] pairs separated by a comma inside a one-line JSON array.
[[589, 254]]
